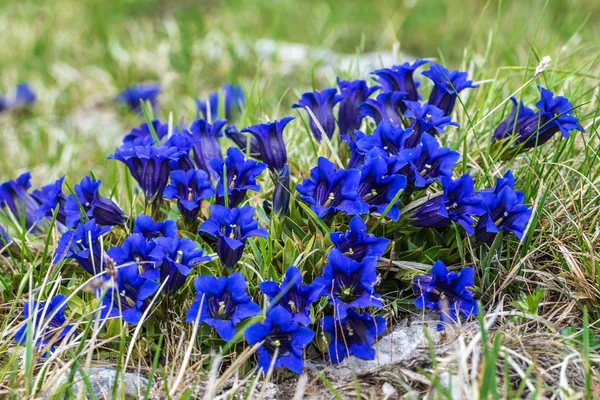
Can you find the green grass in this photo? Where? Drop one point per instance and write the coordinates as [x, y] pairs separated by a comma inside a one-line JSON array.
[[78, 55]]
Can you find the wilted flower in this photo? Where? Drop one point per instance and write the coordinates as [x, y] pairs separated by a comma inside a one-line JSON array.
[[330, 190], [49, 323], [204, 139], [241, 140], [356, 243], [241, 176], [88, 201], [292, 295], [281, 337], [134, 94], [354, 335], [321, 104], [348, 283], [51, 196], [506, 210], [388, 106], [446, 292], [353, 94], [425, 118], [146, 226], [15, 196], [458, 203], [378, 189], [400, 78], [446, 86], [82, 245], [270, 141], [222, 303], [189, 188], [231, 228]]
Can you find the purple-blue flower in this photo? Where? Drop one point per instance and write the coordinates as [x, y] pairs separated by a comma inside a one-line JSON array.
[[5, 238], [51, 197], [282, 337], [230, 228], [292, 295], [348, 283], [24, 96], [400, 78], [83, 246], [205, 144], [88, 201], [354, 335], [241, 176], [425, 118], [146, 226], [242, 141], [446, 86], [209, 108], [321, 104], [222, 303], [353, 94], [270, 141], [142, 136], [356, 243], [49, 325], [134, 94], [446, 292], [506, 210], [135, 250], [330, 190], [15, 195], [387, 106], [386, 137], [458, 203], [378, 189], [189, 188], [234, 101]]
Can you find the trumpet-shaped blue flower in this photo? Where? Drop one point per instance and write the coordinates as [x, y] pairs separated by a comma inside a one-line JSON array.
[[231, 228], [458, 203], [146, 226], [446, 86], [506, 210], [205, 143], [387, 106], [446, 292], [189, 188], [348, 283], [15, 195], [356, 243], [281, 191], [386, 137], [182, 141], [49, 325], [222, 303], [321, 104], [425, 118], [5, 238], [134, 94], [400, 78], [270, 141], [292, 295], [282, 337], [241, 140], [135, 250], [142, 136], [209, 108], [241, 176], [88, 201], [354, 335], [329, 190], [378, 189], [51, 196], [234, 101], [83, 246], [353, 94]]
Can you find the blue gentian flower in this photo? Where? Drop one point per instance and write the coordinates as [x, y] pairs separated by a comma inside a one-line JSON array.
[[149, 166], [386, 137], [142, 136], [281, 191], [536, 128], [175, 258], [146, 226], [222, 303], [387, 106], [231, 228], [458, 203], [182, 141], [135, 250], [83, 246], [87, 200], [446, 86], [356, 243], [49, 316], [400, 78], [348, 283], [506, 210], [424, 164], [129, 296], [51, 197], [292, 295], [209, 108], [378, 189], [329, 190], [270, 141], [241, 176], [134, 94], [234, 101], [282, 335], [446, 292], [321, 104], [353, 94], [5, 238], [425, 118], [14, 194], [241, 140], [205, 143], [354, 335], [189, 188], [24, 96]]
